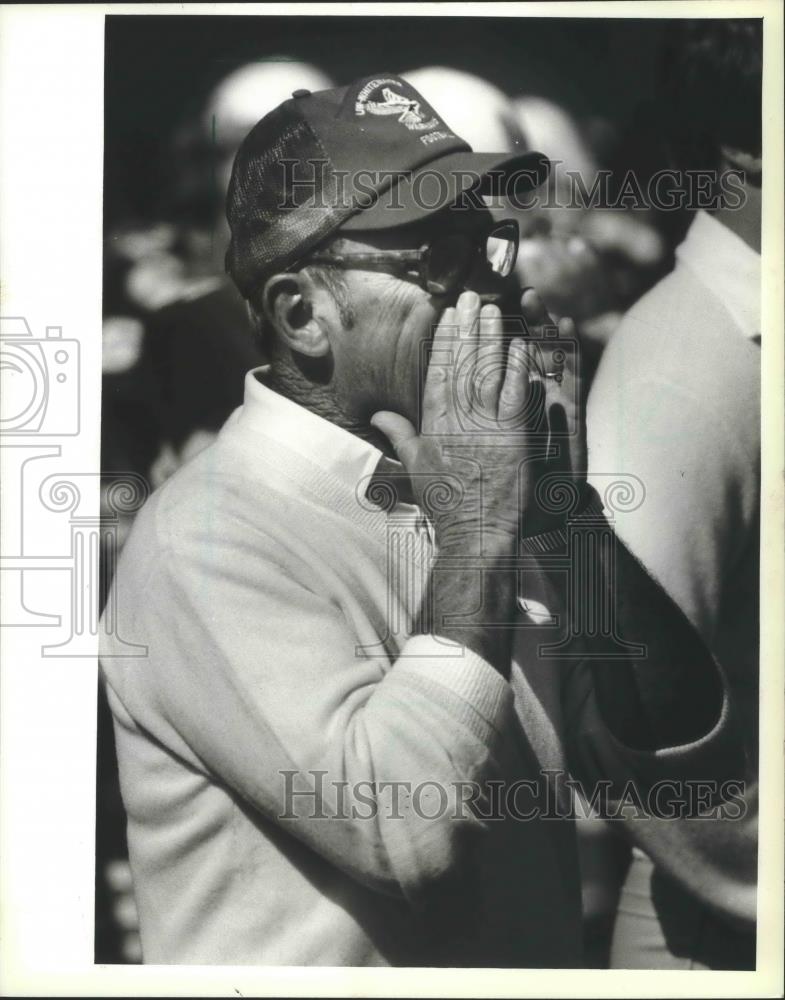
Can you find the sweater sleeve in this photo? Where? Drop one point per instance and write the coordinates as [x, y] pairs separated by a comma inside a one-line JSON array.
[[255, 679], [661, 713]]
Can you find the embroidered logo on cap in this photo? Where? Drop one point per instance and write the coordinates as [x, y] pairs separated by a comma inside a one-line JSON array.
[[408, 109]]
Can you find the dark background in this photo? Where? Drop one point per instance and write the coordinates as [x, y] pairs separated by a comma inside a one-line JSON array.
[[160, 69]]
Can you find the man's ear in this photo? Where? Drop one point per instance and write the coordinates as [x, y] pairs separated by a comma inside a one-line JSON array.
[[288, 307]]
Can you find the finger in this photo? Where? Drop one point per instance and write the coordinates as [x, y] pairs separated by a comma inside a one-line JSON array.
[[441, 357], [579, 449], [566, 331], [566, 359], [573, 397], [558, 440], [566, 444], [533, 308], [465, 351], [511, 410], [567, 327], [447, 327], [536, 458], [399, 432], [558, 357], [521, 396], [567, 401], [490, 366], [468, 310], [535, 406], [491, 327]]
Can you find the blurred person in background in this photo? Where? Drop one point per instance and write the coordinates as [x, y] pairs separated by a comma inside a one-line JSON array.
[[676, 402], [590, 264], [598, 260]]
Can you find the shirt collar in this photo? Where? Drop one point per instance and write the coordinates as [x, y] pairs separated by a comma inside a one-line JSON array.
[[727, 266], [326, 446]]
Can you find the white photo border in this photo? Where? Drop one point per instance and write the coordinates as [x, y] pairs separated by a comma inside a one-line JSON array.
[[51, 185]]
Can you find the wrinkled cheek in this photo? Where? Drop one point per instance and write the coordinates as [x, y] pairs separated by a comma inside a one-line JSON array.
[[400, 324], [422, 322]]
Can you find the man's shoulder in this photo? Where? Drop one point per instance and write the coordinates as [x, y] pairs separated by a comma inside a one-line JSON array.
[[215, 500], [204, 541], [680, 313], [671, 308], [680, 337]]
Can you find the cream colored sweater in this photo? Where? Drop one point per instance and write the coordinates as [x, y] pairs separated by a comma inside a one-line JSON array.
[[275, 601]]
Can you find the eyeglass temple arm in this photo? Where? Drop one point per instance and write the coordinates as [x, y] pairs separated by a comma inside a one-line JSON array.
[[382, 257]]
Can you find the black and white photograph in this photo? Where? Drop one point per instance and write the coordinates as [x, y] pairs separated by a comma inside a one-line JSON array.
[[392, 521]]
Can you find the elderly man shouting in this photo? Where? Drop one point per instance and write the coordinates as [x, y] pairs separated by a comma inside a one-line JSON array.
[[344, 745]]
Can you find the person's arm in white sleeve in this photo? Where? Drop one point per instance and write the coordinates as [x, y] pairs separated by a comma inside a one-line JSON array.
[[260, 680]]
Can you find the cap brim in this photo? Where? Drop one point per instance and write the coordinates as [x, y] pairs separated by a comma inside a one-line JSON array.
[[453, 180]]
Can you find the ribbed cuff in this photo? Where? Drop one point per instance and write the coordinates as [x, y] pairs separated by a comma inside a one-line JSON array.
[[466, 679], [556, 540]]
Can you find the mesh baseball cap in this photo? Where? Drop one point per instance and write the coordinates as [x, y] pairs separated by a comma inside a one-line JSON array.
[[373, 155]]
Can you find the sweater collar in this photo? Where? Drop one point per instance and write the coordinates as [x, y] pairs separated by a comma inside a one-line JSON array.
[[727, 266], [330, 448]]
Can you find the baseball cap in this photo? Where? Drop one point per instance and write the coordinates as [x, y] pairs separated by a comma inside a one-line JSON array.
[[372, 155]]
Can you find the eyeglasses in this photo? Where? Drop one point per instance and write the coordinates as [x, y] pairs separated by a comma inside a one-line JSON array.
[[442, 265]]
